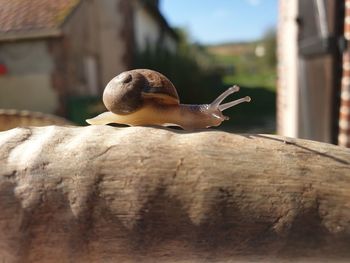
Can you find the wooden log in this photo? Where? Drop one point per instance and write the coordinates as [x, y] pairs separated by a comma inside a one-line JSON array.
[[106, 194]]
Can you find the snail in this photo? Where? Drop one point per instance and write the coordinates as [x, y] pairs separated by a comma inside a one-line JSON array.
[[146, 97]]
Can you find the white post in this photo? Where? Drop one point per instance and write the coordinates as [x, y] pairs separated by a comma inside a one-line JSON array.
[[287, 99]]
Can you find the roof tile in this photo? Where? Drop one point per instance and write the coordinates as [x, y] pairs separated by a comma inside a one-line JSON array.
[[33, 15]]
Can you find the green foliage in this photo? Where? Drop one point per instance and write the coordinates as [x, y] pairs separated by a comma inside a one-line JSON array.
[[247, 69], [257, 78], [269, 41]]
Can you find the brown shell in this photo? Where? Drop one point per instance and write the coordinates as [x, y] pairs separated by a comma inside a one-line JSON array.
[[128, 91], [158, 87]]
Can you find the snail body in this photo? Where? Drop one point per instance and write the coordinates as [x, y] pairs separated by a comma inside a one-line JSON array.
[[146, 97]]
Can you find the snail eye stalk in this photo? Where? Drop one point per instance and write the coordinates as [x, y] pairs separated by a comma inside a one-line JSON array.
[[215, 105]]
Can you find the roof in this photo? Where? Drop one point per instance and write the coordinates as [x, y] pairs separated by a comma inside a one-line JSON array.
[[33, 18]]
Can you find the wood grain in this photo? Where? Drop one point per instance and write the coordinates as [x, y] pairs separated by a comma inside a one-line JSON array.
[[142, 194]]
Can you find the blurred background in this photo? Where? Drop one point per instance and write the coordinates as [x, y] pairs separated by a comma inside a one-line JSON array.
[[290, 56]]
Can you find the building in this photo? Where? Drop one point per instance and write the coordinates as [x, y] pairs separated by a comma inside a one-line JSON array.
[[53, 50], [313, 69]]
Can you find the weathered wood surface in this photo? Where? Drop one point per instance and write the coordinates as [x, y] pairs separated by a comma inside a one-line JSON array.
[[141, 194], [10, 119]]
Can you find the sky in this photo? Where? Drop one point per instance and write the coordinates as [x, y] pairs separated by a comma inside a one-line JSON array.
[[221, 21]]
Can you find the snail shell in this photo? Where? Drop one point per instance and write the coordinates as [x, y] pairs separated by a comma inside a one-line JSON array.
[[127, 92]]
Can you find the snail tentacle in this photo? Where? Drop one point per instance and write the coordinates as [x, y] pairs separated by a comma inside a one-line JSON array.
[[215, 105], [224, 95], [234, 103]]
